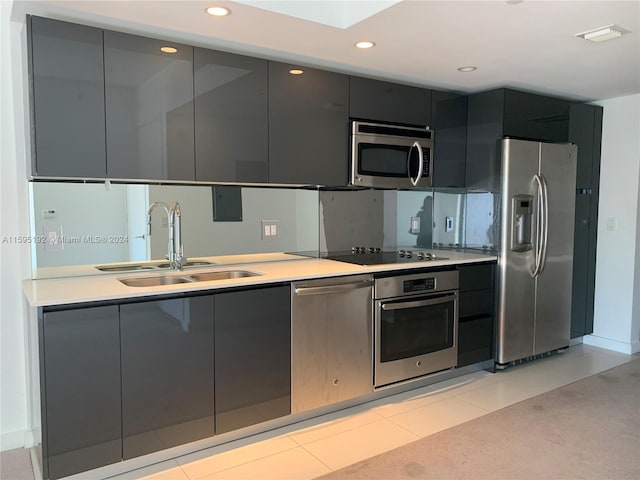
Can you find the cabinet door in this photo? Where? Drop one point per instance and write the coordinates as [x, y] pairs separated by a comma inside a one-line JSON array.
[[252, 357], [67, 99], [389, 102], [484, 131], [80, 362], [308, 126], [167, 373], [585, 130], [449, 118], [535, 117], [476, 310], [149, 108], [231, 117]]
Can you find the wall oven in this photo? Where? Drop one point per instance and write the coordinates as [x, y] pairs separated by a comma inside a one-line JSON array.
[[388, 156], [416, 325]]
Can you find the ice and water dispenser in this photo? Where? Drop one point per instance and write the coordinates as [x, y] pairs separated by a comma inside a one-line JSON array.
[[521, 222]]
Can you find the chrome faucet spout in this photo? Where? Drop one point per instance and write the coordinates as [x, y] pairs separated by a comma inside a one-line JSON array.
[[175, 251]]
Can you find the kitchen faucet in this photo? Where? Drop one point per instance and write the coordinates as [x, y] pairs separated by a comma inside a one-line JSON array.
[[175, 253]]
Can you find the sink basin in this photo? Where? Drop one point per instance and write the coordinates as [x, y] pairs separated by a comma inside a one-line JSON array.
[[154, 281], [195, 277], [123, 268], [222, 275], [191, 263]]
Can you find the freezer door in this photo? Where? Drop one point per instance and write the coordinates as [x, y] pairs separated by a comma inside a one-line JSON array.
[[520, 163], [553, 286]]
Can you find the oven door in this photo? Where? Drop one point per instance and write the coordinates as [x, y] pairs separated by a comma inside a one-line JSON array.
[[415, 336]]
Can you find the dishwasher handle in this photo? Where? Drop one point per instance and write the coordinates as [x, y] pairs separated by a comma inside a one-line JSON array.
[[327, 289]]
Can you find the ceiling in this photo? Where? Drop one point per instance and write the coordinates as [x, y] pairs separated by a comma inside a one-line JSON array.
[[528, 44]]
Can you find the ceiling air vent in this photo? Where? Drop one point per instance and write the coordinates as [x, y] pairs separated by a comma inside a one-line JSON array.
[[603, 33]]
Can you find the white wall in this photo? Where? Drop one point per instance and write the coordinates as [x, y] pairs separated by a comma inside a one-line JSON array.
[[616, 316], [15, 315]]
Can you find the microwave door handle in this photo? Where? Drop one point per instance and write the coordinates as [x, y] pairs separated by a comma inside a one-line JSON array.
[[414, 181]]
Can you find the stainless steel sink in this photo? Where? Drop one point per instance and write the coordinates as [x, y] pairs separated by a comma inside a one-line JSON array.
[[158, 280], [222, 275], [124, 268], [191, 263], [154, 281]]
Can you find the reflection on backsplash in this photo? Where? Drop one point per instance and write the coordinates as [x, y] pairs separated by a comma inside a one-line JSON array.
[[97, 223]]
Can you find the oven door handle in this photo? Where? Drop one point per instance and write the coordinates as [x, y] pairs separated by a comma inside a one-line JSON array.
[[417, 303]]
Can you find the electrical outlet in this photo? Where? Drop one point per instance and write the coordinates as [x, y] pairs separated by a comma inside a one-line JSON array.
[[415, 225], [269, 229], [448, 224]]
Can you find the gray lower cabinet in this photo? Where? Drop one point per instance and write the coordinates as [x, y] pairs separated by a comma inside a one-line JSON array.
[[252, 357], [331, 344], [308, 126], [476, 308], [149, 108], [80, 389], [167, 373], [67, 99]]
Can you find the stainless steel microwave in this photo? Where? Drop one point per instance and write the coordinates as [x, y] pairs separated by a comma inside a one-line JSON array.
[[389, 156]]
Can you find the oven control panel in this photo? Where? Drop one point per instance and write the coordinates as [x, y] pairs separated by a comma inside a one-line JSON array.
[[419, 285], [391, 286]]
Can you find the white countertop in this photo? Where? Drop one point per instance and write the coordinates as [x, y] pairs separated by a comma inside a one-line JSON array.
[[272, 268]]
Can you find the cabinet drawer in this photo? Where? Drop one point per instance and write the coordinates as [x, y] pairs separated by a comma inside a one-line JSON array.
[[476, 277], [479, 302], [475, 341]]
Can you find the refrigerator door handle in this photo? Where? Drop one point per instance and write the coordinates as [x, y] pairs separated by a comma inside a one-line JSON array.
[[539, 225], [545, 224]]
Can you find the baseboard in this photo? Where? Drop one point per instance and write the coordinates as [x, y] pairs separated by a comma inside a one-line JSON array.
[[19, 439], [12, 440], [615, 345]]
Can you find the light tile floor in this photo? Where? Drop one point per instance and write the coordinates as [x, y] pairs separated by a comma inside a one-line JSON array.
[[339, 439]]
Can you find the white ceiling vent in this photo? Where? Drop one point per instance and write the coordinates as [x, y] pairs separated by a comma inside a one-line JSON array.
[[602, 34]]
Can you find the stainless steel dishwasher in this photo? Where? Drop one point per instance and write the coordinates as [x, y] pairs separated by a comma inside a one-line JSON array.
[[331, 336]]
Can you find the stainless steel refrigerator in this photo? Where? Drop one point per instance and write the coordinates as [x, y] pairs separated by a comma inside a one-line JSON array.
[[536, 248]]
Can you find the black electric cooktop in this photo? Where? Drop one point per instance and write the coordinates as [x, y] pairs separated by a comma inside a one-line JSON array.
[[367, 257]]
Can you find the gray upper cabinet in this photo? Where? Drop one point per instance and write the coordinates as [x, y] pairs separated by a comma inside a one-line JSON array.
[[308, 126], [167, 373], [149, 108], [449, 119], [80, 390], [505, 112], [389, 102], [230, 117], [68, 129]]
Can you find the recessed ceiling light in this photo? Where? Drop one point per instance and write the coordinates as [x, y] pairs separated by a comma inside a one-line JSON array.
[[514, 2], [296, 71], [218, 11], [608, 32], [469, 68], [168, 49], [364, 45]]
